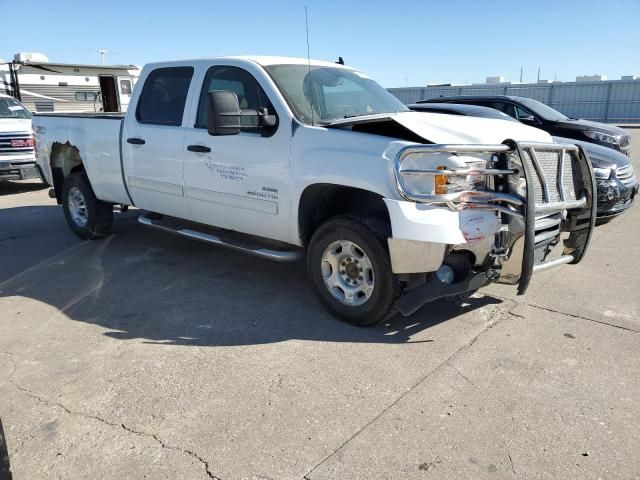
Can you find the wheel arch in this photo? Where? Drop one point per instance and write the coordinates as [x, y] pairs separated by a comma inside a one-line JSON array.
[[64, 160], [322, 201]]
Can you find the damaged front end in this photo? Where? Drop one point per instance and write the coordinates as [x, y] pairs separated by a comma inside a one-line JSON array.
[[539, 194]]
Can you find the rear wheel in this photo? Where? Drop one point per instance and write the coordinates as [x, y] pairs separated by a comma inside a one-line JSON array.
[[349, 267], [87, 216]]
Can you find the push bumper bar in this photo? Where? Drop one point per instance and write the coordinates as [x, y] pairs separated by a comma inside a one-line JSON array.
[[556, 195]]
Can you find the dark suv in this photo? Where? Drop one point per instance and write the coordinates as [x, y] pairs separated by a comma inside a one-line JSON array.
[[539, 115]]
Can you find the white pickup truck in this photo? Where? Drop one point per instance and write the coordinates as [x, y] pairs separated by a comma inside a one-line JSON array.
[[17, 157], [284, 157]]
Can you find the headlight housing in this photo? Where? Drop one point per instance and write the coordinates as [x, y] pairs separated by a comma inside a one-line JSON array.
[[602, 137], [602, 173], [445, 184]]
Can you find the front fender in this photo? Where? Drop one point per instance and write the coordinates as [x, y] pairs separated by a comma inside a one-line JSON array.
[[421, 234]]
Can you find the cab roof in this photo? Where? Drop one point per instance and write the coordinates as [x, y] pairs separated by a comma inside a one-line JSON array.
[[472, 98], [263, 60]]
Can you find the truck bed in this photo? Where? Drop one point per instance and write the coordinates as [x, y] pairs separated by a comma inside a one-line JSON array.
[[64, 138], [103, 115]]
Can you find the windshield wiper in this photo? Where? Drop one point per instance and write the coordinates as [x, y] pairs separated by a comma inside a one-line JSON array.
[[353, 115]]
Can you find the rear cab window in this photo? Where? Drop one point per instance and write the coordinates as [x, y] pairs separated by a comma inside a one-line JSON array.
[[164, 96]]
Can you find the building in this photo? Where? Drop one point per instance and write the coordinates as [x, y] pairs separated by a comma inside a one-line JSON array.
[[591, 78]]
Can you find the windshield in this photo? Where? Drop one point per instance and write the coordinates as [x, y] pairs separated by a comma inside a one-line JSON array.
[[321, 95], [11, 108], [543, 110]]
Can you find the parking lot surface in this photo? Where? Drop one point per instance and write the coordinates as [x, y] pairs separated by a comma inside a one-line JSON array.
[[144, 355]]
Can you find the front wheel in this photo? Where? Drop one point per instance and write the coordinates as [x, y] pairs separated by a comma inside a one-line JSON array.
[[87, 216], [350, 270]]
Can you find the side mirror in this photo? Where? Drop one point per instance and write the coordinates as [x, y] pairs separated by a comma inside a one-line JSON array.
[[223, 113], [265, 120], [528, 119]]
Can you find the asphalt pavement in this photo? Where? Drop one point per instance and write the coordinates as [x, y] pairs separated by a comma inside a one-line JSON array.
[[145, 355]]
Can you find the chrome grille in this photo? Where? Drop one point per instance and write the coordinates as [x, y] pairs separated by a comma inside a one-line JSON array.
[[6, 149], [547, 171], [548, 162], [568, 176], [626, 175]]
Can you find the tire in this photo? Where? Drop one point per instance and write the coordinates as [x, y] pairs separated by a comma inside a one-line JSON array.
[[88, 217], [359, 246]]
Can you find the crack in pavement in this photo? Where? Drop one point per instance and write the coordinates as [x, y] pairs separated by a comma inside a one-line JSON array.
[[67, 410], [460, 373], [513, 470], [500, 314], [572, 315]]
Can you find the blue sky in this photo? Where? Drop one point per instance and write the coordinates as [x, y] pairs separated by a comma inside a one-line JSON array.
[[412, 42]]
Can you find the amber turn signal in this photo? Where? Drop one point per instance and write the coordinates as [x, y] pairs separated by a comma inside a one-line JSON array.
[[440, 183]]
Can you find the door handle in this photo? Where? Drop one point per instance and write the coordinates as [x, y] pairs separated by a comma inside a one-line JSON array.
[[198, 149], [135, 141]]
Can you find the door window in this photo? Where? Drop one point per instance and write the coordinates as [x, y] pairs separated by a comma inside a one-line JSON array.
[[504, 107], [164, 95], [525, 115], [125, 87], [251, 97]]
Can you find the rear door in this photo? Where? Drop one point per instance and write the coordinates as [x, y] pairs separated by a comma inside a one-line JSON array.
[[239, 182], [153, 139]]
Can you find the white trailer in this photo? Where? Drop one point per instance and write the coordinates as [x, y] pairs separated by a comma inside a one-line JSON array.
[[43, 86]]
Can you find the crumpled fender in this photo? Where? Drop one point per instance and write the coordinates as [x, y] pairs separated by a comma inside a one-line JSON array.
[[429, 223]]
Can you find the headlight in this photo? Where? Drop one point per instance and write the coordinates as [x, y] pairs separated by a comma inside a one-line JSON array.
[[458, 183], [602, 173], [602, 137]]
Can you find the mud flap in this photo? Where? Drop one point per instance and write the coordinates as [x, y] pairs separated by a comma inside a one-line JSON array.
[[435, 289]]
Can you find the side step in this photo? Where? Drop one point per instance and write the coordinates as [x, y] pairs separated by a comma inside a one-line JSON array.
[[237, 243]]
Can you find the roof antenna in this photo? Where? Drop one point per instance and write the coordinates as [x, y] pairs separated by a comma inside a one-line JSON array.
[[103, 52], [306, 21]]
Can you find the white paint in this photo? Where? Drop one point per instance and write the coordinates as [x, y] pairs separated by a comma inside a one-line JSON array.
[[164, 177]]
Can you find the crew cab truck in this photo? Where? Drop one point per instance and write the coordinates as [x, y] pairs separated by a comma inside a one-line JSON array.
[[284, 158]]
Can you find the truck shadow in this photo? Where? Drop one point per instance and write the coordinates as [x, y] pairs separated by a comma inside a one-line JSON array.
[[9, 187], [149, 285]]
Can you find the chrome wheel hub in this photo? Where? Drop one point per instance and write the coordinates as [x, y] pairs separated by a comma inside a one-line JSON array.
[[348, 273], [77, 207]]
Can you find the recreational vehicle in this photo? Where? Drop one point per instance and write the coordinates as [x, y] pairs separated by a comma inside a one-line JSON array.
[[43, 86]]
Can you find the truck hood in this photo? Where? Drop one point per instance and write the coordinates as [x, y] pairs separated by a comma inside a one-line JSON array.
[[15, 125], [452, 129]]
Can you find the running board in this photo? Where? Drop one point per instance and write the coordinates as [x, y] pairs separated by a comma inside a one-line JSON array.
[[241, 246]]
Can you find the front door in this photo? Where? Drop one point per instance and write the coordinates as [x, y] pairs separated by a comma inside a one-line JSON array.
[[238, 182], [152, 142]]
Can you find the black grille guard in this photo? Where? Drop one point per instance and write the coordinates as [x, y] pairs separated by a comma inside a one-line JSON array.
[[513, 260]]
